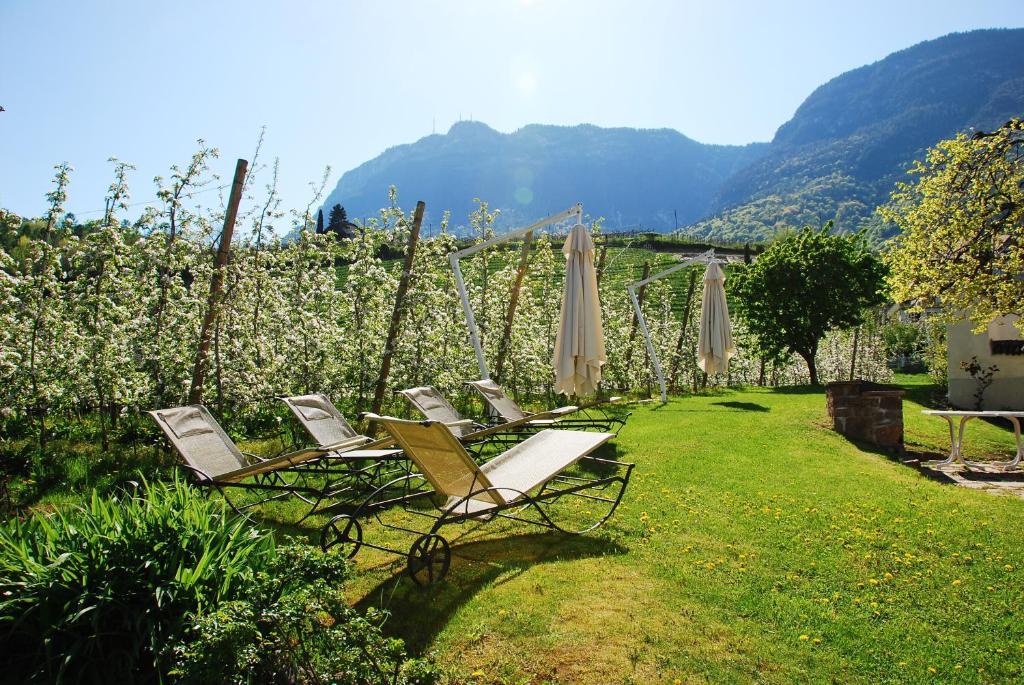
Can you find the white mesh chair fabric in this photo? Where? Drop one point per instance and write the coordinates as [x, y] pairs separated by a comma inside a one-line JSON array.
[[208, 450], [435, 407], [541, 457], [496, 398], [441, 458], [444, 461], [320, 418], [507, 409], [200, 440]]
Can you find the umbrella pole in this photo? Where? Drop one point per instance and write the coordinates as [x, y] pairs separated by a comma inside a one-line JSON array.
[[474, 334], [705, 257], [460, 283], [647, 339]]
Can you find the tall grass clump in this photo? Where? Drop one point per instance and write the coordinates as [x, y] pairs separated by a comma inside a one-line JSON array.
[[163, 586]]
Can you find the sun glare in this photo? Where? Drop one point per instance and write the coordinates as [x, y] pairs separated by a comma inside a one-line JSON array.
[[526, 82]]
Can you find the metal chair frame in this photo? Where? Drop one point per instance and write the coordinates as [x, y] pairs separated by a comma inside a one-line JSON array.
[[336, 470], [594, 416], [429, 557]]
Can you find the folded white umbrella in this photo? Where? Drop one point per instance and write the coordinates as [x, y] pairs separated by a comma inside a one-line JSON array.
[[579, 345], [714, 343]]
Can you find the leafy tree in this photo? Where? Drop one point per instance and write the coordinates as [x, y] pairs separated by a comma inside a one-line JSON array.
[[337, 222], [963, 227], [804, 285]]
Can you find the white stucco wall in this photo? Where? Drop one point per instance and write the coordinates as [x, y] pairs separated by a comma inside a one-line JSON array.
[[1007, 389]]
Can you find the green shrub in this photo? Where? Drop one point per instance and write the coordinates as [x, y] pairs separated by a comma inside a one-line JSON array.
[[166, 587], [94, 594], [294, 625]]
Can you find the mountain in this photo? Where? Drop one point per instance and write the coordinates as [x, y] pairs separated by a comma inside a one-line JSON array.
[[629, 176], [855, 137], [837, 158]]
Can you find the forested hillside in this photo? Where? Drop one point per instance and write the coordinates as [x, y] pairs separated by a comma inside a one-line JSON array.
[[836, 159], [854, 137], [631, 177]]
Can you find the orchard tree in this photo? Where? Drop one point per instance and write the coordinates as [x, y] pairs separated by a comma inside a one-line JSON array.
[[962, 221], [804, 285]]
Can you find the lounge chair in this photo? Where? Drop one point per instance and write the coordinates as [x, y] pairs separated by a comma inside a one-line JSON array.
[[326, 426], [215, 461], [324, 423], [530, 475], [432, 404], [593, 416]]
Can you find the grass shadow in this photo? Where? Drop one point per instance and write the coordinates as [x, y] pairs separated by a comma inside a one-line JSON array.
[[799, 390], [927, 395], [925, 461], [1014, 476], [418, 614], [609, 451], [745, 406]]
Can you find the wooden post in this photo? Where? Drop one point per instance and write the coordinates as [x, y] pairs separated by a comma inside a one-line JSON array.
[[640, 303], [396, 315], [674, 373], [220, 260], [600, 263], [513, 300], [853, 357]]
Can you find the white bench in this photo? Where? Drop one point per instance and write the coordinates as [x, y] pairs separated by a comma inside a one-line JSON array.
[[956, 436]]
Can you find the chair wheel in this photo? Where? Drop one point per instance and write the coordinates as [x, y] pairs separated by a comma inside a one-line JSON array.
[[342, 530], [429, 559]]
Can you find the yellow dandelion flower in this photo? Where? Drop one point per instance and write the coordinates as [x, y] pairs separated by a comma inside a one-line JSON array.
[[804, 638], [956, 582], [931, 669]]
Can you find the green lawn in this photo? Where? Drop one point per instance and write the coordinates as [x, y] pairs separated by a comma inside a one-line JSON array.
[[754, 545]]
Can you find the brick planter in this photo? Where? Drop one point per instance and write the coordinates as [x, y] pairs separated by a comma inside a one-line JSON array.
[[868, 412]]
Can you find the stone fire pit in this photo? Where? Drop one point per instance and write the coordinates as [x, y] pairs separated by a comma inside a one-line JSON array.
[[868, 412]]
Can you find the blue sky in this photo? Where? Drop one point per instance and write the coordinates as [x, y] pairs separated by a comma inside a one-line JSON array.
[[338, 82]]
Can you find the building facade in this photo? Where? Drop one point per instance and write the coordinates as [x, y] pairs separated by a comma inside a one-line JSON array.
[[1001, 346]]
